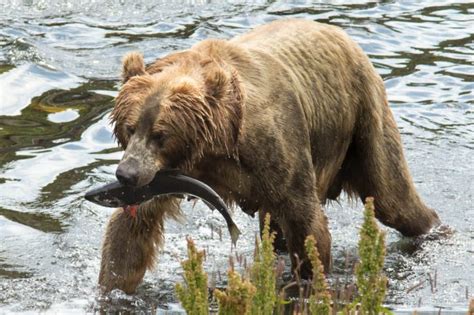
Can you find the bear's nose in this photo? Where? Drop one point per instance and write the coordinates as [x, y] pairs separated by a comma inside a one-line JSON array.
[[127, 173]]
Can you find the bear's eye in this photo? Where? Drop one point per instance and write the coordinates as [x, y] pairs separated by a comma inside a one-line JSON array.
[[130, 130], [159, 138]]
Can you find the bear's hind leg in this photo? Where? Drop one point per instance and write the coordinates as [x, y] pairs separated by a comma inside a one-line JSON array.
[[129, 245], [376, 167]]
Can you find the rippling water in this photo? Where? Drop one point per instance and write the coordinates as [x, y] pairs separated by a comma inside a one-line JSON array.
[[59, 67]]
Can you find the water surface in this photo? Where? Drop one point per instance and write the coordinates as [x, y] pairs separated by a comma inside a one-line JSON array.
[[59, 72]]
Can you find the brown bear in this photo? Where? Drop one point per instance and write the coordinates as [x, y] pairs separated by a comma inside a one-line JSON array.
[[277, 120]]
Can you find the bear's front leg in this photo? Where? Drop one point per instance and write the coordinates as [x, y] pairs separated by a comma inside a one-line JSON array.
[[279, 244], [130, 243], [297, 224]]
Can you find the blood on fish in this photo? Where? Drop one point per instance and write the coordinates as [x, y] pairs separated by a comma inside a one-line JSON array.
[[131, 210]]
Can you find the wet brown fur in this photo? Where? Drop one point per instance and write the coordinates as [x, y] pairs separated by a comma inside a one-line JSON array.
[[280, 119]]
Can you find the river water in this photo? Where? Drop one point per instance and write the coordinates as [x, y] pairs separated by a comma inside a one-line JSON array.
[[59, 72]]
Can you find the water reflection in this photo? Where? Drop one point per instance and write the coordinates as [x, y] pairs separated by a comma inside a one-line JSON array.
[[39, 221], [59, 65], [36, 126]]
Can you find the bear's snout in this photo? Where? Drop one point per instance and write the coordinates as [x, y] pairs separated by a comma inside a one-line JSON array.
[[127, 172]]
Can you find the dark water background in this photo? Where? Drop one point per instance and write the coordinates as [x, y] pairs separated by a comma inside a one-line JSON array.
[[59, 68]]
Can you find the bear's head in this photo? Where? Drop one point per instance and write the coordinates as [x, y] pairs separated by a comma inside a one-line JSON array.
[[173, 113]]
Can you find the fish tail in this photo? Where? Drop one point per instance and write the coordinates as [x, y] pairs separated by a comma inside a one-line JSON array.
[[234, 233]]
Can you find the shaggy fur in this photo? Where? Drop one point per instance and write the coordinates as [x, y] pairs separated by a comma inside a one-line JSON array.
[[277, 120]]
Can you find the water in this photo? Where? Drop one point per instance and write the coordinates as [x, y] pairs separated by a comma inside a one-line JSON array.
[[59, 72]]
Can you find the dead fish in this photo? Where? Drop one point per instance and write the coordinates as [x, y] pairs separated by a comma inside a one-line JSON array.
[[166, 182]]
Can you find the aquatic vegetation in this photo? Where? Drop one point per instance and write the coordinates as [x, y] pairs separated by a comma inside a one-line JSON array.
[[257, 295], [263, 274], [320, 299], [371, 283], [237, 298], [193, 293]]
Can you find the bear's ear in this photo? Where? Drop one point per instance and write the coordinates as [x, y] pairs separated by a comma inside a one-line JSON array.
[[133, 65], [217, 83]]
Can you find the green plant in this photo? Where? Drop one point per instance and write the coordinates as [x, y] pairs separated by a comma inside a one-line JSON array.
[[371, 282], [259, 296], [237, 298], [193, 293], [262, 273], [319, 299]]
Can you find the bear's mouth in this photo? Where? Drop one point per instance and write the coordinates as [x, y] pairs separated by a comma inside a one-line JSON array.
[[165, 182]]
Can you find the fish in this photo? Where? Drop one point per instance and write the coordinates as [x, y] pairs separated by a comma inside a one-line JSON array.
[[165, 182]]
